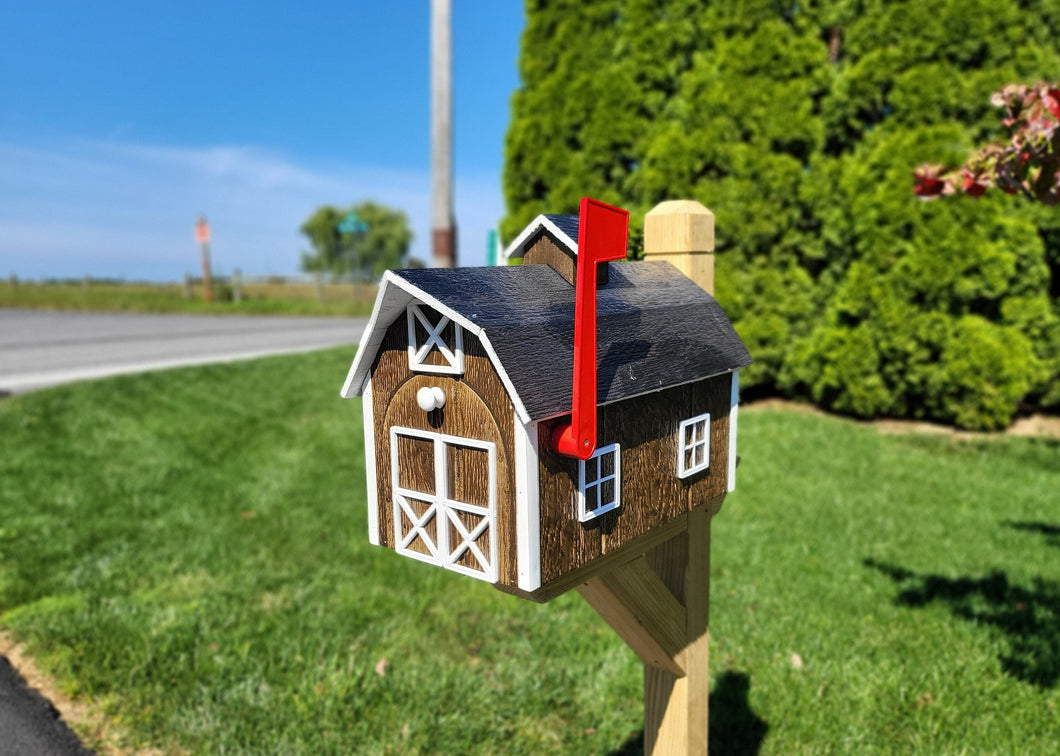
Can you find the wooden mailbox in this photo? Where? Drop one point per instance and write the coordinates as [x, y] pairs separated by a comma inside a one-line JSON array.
[[470, 378]]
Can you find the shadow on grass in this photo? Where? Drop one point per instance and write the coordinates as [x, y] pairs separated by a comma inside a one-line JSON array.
[[735, 730], [1027, 617], [1051, 531]]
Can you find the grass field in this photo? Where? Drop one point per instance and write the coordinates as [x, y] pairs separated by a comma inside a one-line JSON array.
[[188, 550], [258, 298]]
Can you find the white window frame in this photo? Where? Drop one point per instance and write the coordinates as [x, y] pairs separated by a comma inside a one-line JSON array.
[[453, 354], [443, 553], [585, 514], [699, 440]]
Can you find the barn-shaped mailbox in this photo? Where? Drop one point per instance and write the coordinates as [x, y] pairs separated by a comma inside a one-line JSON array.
[[466, 379]]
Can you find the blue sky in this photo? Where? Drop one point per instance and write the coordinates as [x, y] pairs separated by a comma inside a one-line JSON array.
[[121, 121]]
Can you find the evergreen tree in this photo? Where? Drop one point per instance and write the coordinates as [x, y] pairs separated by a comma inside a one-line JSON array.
[[798, 124]]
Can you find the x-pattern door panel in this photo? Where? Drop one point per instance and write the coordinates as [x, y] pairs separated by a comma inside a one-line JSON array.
[[445, 500]]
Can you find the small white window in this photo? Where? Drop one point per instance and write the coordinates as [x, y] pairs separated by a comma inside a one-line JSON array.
[[436, 343], [693, 445], [598, 483]]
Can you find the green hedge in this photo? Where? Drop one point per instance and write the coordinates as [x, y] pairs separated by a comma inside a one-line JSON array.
[[799, 125]]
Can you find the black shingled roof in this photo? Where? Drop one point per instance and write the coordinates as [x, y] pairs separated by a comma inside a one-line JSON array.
[[656, 328]]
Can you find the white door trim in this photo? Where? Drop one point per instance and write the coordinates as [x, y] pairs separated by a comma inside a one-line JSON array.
[[443, 508]]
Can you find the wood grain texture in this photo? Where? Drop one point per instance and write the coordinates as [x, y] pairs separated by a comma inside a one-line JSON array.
[[676, 713], [543, 250], [651, 493], [713, 396], [668, 560], [601, 565], [678, 226], [641, 610], [477, 407]]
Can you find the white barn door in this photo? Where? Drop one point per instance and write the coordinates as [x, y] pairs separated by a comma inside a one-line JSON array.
[[445, 500]]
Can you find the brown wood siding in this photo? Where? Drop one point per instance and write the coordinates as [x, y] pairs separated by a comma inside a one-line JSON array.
[[543, 251], [651, 493], [477, 407]]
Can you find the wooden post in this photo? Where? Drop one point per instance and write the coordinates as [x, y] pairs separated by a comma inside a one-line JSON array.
[[659, 604], [681, 232]]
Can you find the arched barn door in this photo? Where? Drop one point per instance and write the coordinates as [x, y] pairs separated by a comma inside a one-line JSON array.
[[444, 479]]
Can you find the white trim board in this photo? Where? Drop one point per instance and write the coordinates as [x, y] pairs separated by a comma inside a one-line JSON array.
[[515, 249], [443, 553], [734, 405], [370, 474], [527, 506], [388, 306]]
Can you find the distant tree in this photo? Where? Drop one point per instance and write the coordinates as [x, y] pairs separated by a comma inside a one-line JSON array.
[[382, 245]]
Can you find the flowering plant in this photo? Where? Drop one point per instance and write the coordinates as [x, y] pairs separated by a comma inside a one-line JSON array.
[[1026, 163]]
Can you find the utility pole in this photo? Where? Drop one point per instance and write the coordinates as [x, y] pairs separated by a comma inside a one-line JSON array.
[[443, 227]]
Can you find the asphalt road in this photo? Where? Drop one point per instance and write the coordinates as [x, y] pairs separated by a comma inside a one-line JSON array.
[[29, 724], [39, 349]]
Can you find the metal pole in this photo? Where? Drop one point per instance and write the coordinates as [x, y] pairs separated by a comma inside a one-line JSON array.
[[207, 292]]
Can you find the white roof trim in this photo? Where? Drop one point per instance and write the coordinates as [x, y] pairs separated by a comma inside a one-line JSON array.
[[515, 249], [369, 343], [388, 306]]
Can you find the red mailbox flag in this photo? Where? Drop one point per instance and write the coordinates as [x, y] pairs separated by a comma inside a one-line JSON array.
[[602, 235]]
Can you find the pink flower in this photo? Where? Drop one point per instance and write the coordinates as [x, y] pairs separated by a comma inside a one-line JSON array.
[[1051, 101]]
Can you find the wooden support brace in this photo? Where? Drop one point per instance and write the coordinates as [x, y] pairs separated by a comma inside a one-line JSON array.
[[643, 612], [659, 605]]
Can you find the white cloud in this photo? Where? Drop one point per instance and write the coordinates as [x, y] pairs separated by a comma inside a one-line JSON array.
[[127, 210]]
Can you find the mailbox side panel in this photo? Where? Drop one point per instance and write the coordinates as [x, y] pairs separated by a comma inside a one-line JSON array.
[[646, 428]]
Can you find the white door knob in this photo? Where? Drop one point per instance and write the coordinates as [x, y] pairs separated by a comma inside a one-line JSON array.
[[430, 398]]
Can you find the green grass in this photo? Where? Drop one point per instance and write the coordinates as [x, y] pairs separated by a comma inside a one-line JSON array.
[[258, 298], [189, 550]]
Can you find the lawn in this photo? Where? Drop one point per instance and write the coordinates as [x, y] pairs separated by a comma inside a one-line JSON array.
[[188, 550], [257, 298]]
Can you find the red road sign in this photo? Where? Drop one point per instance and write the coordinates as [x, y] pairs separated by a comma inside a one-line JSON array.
[[202, 230]]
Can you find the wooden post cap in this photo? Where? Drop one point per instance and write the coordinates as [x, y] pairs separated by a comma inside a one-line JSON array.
[[681, 232], [678, 226]]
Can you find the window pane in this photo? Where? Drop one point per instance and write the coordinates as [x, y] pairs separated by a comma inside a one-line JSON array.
[[607, 464], [607, 492], [468, 471], [591, 503], [591, 467], [415, 462]]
